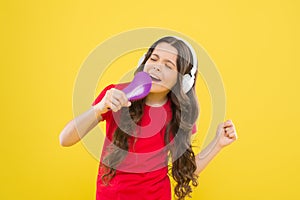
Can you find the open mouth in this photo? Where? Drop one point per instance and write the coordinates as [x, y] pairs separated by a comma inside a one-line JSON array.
[[155, 79]]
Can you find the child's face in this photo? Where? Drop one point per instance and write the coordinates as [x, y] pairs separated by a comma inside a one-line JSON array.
[[162, 67]]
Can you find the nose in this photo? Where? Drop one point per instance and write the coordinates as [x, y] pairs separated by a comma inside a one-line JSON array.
[[156, 67]]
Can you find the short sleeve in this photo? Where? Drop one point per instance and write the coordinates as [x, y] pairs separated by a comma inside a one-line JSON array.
[[194, 129], [100, 97]]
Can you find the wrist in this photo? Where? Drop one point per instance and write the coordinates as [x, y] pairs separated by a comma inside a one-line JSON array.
[[98, 109], [218, 145]]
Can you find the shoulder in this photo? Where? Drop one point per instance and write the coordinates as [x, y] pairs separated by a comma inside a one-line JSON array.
[[118, 86]]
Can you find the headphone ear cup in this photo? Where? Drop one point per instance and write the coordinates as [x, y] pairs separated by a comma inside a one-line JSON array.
[[187, 83]]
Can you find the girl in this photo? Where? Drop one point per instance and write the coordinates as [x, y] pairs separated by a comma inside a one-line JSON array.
[[141, 136]]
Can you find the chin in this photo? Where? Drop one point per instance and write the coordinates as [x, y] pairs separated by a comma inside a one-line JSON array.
[[158, 88]]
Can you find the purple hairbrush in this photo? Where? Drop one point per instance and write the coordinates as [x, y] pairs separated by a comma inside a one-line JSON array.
[[139, 87]]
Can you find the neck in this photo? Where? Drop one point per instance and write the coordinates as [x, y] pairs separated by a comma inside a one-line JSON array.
[[156, 99]]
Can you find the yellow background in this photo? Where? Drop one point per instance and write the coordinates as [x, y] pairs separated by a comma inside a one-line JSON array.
[[254, 44]]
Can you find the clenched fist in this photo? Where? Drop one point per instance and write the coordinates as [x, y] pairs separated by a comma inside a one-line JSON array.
[[114, 99], [226, 133]]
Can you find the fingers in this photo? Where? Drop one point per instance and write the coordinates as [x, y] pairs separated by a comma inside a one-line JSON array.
[[115, 104], [233, 136], [228, 123], [230, 129], [116, 99]]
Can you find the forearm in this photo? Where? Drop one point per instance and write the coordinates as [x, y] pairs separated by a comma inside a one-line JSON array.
[[76, 129], [206, 155]]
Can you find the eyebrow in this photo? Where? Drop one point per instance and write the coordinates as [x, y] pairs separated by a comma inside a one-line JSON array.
[[167, 59]]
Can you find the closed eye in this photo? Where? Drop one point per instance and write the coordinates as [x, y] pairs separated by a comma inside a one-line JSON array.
[[168, 66]]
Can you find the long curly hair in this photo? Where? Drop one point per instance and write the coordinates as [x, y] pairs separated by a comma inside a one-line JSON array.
[[184, 114]]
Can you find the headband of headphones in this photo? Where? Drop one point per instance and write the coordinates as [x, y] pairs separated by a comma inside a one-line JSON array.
[[188, 79]]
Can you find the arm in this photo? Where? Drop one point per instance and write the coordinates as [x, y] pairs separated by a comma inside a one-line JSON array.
[[206, 155], [226, 134], [77, 128], [80, 126]]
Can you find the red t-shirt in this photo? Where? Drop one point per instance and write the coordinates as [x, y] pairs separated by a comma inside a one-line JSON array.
[[142, 174]]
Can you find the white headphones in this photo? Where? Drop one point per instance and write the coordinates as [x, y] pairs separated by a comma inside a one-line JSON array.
[[188, 79]]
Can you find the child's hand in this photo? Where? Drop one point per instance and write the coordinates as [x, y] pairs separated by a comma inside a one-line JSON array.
[[226, 134], [114, 99]]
